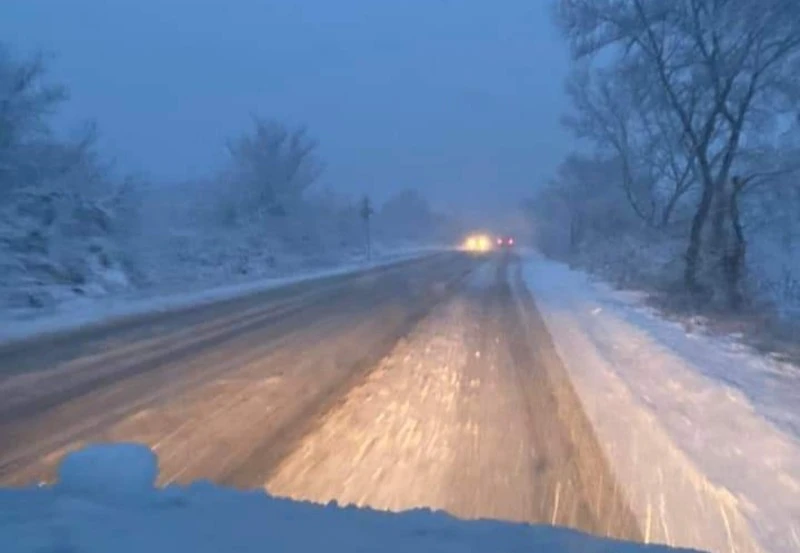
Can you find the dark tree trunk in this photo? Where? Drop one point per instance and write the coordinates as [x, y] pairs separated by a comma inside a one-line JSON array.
[[719, 233], [696, 238], [573, 237], [735, 257], [666, 215]]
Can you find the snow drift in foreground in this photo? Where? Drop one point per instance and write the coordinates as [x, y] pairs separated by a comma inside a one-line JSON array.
[[701, 432], [106, 502]]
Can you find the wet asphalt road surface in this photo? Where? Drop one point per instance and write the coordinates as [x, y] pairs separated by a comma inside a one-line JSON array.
[[427, 383]]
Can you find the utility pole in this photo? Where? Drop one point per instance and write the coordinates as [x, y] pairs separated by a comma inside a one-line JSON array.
[[366, 214]]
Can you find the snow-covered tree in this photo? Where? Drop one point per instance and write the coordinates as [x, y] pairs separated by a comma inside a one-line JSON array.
[[55, 219], [272, 167], [718, 76]]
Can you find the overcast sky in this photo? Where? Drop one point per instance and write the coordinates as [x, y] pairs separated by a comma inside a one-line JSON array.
[[460, 98]]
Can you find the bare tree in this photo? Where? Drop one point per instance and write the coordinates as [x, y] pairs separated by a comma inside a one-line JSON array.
[[655, 172], [26, 103], [56, 198], [578, 206], [721, 68], [275, 165]]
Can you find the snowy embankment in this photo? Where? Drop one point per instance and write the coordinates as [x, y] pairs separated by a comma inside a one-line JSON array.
[[701, 432], [81, 312], [106, 502]]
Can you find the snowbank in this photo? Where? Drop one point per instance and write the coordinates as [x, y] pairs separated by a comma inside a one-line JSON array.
[[701, 432], [80, 516], [118, 471], [18, 325]]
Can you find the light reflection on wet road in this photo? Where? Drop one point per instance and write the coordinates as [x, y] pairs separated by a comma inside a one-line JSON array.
[[430, 383]]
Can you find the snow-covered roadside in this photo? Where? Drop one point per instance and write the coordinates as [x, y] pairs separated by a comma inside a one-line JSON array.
[[698, 430], [105, 502], [77, 313]]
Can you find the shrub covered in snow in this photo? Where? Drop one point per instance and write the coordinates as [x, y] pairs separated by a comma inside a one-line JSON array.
[[584, 217], [56, 201], [68, 230]]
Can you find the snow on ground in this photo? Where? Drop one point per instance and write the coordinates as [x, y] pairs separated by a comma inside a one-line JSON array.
[[696, 428], [105, 502], [80, 312]]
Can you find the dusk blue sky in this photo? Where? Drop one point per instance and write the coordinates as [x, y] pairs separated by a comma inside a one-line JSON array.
[[461, 99]]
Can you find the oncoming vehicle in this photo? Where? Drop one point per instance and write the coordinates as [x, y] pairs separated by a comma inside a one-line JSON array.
[[505, 241], [477, 243]]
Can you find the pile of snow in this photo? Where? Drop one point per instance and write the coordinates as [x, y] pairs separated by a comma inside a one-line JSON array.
[[116, 471], [105, 502], [701, 432]]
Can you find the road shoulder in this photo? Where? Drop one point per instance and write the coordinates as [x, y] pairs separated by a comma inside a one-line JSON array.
[[700, 466]]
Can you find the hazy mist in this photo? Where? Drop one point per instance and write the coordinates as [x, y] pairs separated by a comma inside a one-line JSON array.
[[461, 99]]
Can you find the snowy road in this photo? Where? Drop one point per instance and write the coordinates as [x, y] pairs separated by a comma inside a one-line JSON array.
[[413, 385]]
